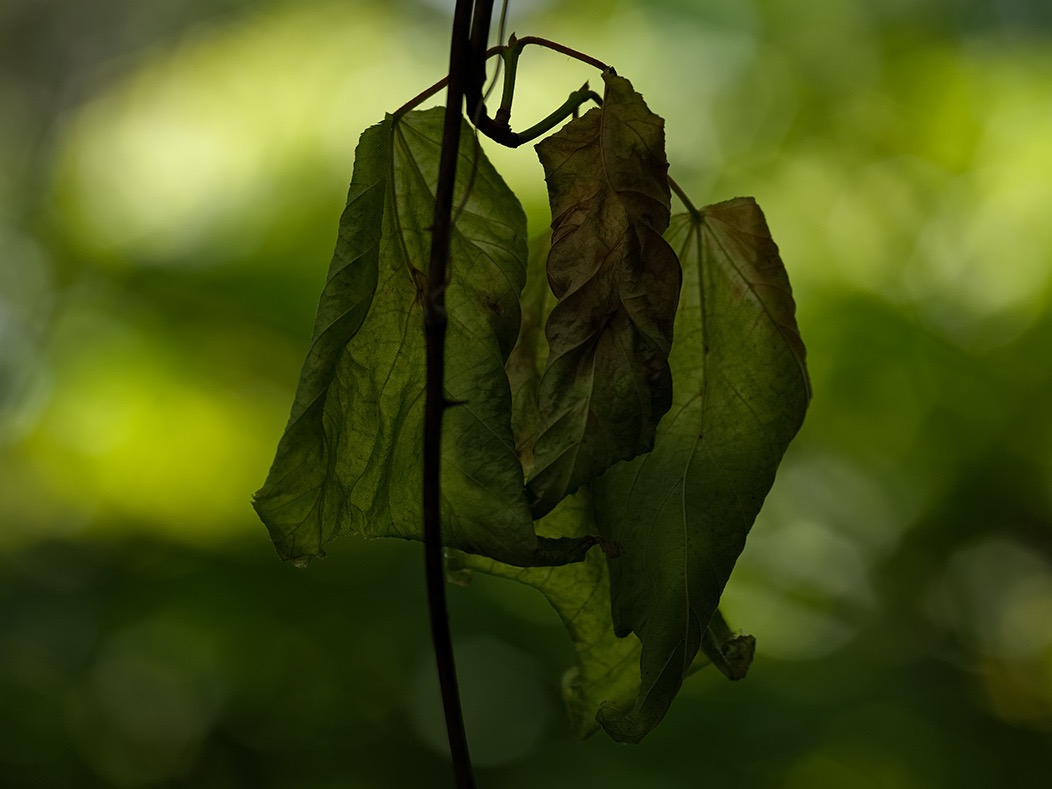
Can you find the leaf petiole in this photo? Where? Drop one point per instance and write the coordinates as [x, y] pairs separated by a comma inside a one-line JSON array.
[[573, 53], [678, 191], [568, 108], [435, 324], [427, 93], [511, 65], [499, 129]]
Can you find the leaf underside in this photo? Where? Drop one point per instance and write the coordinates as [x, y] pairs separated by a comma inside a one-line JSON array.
[[349, 460], [607, 380], [681, 513]]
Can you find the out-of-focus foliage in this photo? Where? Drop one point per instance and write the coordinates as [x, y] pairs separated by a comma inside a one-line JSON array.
[[170, 175]]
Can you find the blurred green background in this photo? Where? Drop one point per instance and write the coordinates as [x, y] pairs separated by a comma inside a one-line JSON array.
[[171, 177]]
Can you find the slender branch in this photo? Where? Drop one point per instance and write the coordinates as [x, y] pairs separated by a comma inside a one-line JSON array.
[[435, 321], [502, 22], [420, 98], [493, 128], [479, 37], [543, 42], [568, 108], [510, 56], [427, 93], [498, 128], [500, 40]]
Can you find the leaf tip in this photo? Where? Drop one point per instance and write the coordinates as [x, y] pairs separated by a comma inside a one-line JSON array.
[[620, 725], [739, 652], [733, 656]]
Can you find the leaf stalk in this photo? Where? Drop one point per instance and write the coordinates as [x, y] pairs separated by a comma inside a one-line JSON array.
[[565, 50], [498, 128], [568, 108], [510, 56], [678, 191]]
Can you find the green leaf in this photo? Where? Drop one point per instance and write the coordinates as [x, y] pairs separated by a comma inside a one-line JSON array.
[[681, 513], [605, 667], [531, 348], [731, 653], [349, 460], [607, 381]]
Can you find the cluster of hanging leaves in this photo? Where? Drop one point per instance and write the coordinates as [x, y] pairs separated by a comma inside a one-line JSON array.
[[625, 393]]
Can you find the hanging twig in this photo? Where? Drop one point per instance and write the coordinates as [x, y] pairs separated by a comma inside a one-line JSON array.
[[435, 400]]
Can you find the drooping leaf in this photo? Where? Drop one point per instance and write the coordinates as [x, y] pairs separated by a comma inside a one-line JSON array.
[[531, 348], [349, 460], [607, 381], [732, 654], [681, 513], [606, 668]]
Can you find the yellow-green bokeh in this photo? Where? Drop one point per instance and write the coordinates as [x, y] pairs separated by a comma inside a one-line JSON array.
[[170, 196]]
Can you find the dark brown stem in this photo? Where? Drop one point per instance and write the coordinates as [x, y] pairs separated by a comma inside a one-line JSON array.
[[552, 45], [427, 93], [497, 129], [435, 400], [420, 98], [568, 108], [480, 24]]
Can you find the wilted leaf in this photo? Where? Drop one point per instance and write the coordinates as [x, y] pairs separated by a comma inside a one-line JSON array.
[[732, 654], [531, 348], [607, 381], [681, 513], [605, 667], [349, 460]]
